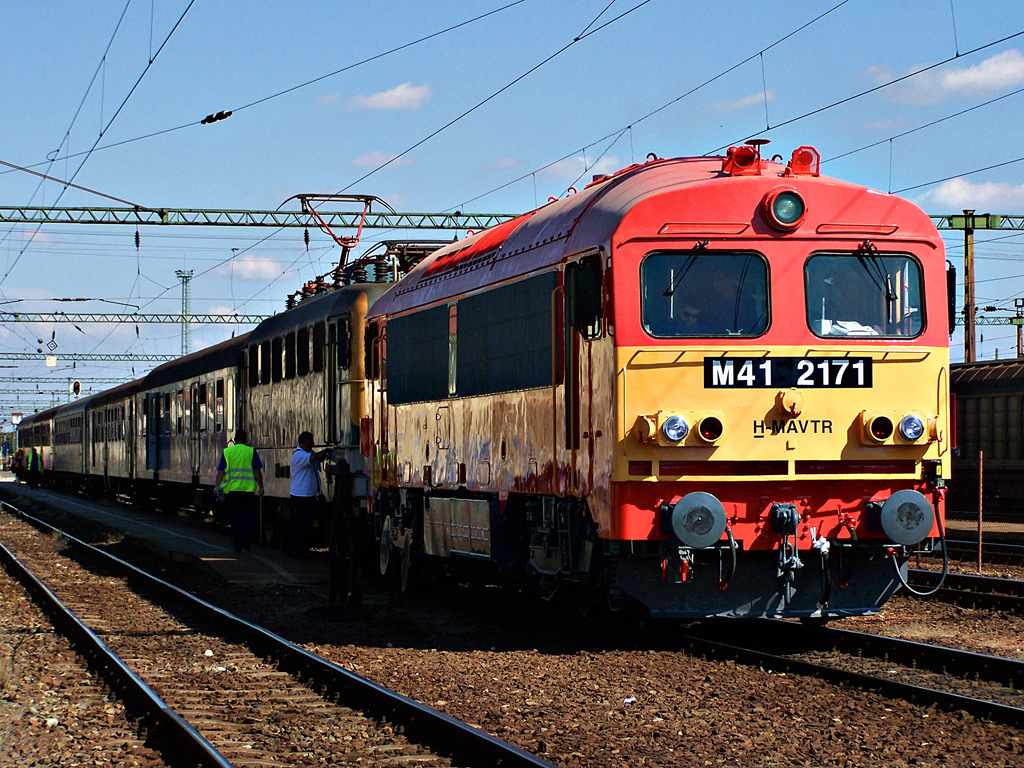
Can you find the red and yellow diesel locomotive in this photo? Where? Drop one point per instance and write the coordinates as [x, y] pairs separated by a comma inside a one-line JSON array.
[[715, 386]]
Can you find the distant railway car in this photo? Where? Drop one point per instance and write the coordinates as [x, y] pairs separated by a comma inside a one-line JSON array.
[[186, 412], [709, 386], [989, 421], [69, 451], [109, 441], [36, 431]]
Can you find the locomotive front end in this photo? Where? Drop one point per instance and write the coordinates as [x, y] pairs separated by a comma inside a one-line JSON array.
[[782, 377]]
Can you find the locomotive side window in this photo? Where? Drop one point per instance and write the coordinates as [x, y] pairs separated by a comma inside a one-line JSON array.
[[864, 294], [265, 362], [417, 356], [289, 355], [505, 338], [369, 351], [700, 293], [276, 359], [583, 296], [302, 351], [253, 353], [319, 341]]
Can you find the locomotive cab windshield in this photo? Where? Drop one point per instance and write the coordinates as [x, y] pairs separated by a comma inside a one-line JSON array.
[[689, 294], [864, 294]]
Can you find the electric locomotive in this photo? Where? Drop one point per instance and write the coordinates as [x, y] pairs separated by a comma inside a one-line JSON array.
[[710, 386]]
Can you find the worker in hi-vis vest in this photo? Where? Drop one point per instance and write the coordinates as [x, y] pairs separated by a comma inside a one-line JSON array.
[[239, 474]]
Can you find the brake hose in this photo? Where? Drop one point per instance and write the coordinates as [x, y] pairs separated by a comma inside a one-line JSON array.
[[723, 583], [945, 566]]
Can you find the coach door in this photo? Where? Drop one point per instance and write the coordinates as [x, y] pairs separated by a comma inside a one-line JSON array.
[[583, 324]]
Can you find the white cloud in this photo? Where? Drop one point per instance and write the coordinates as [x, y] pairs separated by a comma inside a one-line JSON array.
[[573, 167], [404, 96], [994, 74], [958, 194], [502, 163], [754, 100], [251, 268], [331, 98], [374, 159]]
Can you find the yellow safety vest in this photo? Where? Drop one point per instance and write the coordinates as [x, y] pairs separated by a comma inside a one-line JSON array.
[[239, 475], [35, 462]]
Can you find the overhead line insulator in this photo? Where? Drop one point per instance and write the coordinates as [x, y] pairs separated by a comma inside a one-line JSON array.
[[223, 115]]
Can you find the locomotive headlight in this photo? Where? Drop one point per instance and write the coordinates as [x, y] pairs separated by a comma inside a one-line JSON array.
[[911, 428], [788, 208], [784, 209], [674, 429]]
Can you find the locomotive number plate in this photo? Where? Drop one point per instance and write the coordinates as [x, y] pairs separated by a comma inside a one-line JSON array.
[[775, 372]]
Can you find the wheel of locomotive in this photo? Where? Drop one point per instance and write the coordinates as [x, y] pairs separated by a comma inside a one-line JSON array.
[[385, 545]]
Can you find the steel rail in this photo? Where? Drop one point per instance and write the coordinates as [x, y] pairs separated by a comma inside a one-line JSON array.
[[995, 594], [797, 638], [165, 729], [439, 732]]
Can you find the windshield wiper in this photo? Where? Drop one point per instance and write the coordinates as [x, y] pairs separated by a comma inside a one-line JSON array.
[[691, 259], [874, 267]]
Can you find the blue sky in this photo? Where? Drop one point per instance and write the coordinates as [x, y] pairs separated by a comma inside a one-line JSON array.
[[633, 83]]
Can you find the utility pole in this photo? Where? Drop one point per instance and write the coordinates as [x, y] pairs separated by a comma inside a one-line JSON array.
[[969, 286], [186, 306], [1018, 304]]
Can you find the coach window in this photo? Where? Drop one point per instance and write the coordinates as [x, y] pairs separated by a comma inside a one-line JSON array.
[[701, 293], [319, 341], [865, 293], [289, 355], [265, 362], [179, 412], [302, 351], [229, 398], [218, 421]]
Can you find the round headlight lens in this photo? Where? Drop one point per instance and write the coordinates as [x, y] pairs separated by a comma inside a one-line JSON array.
[[787, 208], [674, 429], [911, 427]]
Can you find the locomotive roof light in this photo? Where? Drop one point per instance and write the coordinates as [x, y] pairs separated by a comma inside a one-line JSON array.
[[675, 429], [907, 517], [911, 428], [698, 519], [784, 209], [710, 429], [806, 161]]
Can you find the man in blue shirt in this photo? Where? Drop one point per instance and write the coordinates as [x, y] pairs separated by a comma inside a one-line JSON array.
[[305, 488]]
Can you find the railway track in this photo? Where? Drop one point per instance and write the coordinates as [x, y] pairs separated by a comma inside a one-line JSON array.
[[211, 689], [988, 687], [972, 591]]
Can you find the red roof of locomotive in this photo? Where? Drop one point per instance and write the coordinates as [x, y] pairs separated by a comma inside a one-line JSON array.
[[542, 238]]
